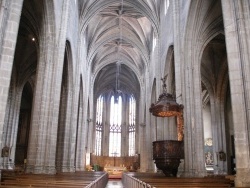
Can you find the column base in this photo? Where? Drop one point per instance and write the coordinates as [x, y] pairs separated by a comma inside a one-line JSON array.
[[8, 166], [81, 169], [191, 174], [66, 169], [242, 177], [40, 169]]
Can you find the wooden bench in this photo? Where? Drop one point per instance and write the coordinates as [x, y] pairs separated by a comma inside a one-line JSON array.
[[62, 180], [153, 180]]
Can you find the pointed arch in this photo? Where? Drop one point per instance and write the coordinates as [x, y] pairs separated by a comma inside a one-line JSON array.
[[64, 135]]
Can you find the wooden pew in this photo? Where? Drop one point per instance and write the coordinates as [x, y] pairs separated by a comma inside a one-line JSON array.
[[62, 180], [153, 180]]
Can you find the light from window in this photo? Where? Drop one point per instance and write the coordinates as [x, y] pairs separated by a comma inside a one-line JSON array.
[[154, 43], [115, 127], [99, 126], [166, 6], [99, 110], [132, 104]]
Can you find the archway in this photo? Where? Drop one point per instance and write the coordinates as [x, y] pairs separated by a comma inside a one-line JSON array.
[[63, 149], [215, 84], [80, 149], [170, 123], [24, 126], [20, 96]]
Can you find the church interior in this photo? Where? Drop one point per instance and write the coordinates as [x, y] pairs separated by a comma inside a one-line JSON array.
[[125, 89]]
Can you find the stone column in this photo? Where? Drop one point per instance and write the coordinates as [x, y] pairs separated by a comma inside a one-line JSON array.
[[218, 132], [90, 137], [44, 122], [11, 125], [66, 141], [106, 126], [10, 12], [80, 147], [191, 94], [72, 127], [150, 133], [81, 133], [145, 127], [236, 23], [178, 59], [141, 132], [179, 80], [124, 128], [193, 124]]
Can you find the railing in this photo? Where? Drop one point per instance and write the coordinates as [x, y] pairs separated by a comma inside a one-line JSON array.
[[99, 182], [130, 181]]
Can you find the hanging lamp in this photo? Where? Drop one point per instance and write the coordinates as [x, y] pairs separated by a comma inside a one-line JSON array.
[[166, 106]]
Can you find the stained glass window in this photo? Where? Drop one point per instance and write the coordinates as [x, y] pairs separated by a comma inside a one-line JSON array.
[[115, 126], [131, 127], [99, 125]]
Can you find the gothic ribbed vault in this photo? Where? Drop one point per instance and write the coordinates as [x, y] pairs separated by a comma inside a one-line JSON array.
[[119, 31]]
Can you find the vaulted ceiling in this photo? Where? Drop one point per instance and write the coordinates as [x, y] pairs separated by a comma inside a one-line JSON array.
[[118, 32]]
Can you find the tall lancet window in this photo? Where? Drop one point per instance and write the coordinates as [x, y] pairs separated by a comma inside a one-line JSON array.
[[115, 126], [99, 126], [131, 129]]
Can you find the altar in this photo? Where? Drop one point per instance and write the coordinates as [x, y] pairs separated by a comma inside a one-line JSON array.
[[115, 166], [115, 171]]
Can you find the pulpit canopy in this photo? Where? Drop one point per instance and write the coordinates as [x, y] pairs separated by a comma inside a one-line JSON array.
[[166, 106]]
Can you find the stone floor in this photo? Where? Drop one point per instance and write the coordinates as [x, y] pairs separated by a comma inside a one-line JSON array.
[[113, 183]]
